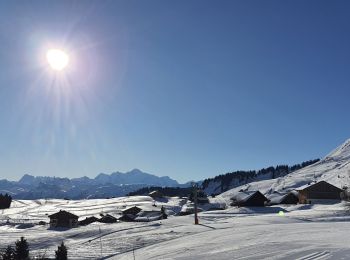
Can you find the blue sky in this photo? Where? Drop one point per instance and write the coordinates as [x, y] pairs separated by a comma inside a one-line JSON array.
[[188, 89]]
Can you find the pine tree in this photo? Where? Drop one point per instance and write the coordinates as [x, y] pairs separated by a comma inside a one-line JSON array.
[[5, 201], [9, 254], [22, 249], [163, 212], [61, 253]]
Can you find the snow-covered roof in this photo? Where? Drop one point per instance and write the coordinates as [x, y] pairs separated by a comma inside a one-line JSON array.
[[243, 195], [131, 208], [315, 183], [63, 213], [278, 197]]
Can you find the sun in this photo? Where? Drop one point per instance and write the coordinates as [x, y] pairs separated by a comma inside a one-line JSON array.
[[57, 59]]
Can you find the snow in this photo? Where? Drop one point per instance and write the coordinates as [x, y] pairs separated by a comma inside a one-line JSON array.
[[334, 168], [319, 231], [304, 232]]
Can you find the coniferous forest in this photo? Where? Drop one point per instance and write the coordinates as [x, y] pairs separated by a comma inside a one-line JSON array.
[[5, 201], [243, 177]]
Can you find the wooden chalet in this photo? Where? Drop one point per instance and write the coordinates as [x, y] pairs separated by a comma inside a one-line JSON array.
[[107, 219], [283, 198], [88, 220], [131, 210], [63, 219], [130, 213], [141, 215], [249, 199], [318, 191]]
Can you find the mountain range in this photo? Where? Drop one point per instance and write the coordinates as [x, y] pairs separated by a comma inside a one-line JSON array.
[[102, 186], [334, 168]]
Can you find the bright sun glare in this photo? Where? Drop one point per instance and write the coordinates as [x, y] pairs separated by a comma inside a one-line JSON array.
[[57, 59]]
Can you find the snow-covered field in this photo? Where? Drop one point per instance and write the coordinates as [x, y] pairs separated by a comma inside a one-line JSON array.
[[302, 232], [318, 231]]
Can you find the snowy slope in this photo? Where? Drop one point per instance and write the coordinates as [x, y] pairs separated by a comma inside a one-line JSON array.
[[227, 235], [304, 232], [301, 232], [334, 168]]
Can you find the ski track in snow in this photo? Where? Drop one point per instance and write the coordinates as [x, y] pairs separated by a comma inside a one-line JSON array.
[[305, 232]]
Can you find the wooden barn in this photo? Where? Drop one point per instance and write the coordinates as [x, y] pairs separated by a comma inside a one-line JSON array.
[[108, 219], [131, 210], [318, 191], [130, 213], [249, 199], [63, 219], [88, 220], [283, 198]]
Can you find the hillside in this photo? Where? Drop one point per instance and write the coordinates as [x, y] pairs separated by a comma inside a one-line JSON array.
[[334, 168], [234, 233], [224, 182], [316, 231]]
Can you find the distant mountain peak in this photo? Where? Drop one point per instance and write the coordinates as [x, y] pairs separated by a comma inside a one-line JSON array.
[[135, 176], [27, 179], [135, 171], [103, 185]]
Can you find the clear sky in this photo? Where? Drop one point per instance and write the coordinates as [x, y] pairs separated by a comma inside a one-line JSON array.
[[188, 89]]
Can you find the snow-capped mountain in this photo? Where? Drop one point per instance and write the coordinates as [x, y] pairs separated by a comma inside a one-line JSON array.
[[135, 177], [103, 185], [334, 168]]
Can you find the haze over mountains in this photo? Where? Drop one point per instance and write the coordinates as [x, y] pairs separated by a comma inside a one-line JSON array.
[[103, 185]]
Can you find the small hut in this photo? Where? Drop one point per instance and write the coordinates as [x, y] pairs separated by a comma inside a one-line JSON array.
[[88, 220], [127, 218], [249, 199], [130, 213], [108, 219], [63, 219], [131, 210], [318, 191]]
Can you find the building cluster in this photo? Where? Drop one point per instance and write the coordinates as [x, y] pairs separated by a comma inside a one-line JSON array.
[[307, 194], [66, 219]]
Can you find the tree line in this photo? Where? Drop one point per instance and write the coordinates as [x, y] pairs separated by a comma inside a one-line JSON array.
[[226, 180], [166, 191], [5, 201], [243, 177], [21, 252]]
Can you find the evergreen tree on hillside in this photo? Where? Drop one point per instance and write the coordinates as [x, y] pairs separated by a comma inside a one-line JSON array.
[[61, 253], [21, 249], [8, 254], [200, 194], [237, 178], [5, 201]]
